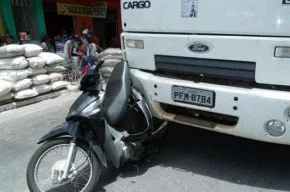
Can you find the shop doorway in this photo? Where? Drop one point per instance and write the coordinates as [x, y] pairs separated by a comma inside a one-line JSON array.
[[24, 17], [106, 29], [111, 32], [55, 23]]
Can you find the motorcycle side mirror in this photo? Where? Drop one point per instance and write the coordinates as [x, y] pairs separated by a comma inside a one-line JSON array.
[[92, 80], [100, 63], [94, 69]]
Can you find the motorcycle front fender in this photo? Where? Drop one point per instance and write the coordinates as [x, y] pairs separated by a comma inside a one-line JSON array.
[[59, 131], [70, 129]]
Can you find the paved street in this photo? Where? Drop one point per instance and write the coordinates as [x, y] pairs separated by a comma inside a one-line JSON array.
[[187, 160]]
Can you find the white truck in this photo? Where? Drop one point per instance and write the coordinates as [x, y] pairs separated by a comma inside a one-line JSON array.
[[218, 65]]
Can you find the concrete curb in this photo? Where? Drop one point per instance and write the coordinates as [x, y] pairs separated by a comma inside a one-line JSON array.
[[17, 104]]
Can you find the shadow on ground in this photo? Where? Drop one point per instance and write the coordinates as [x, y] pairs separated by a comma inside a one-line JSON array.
[[219, 156]]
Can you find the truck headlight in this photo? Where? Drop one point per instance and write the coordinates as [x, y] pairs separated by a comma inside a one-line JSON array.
[[275, 128], [138, 44], [282, 52]]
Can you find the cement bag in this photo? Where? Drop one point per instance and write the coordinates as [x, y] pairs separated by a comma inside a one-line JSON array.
[[26, 93], [55, 77], [40, 79], [51, 58], [5, 87], [55, 69], [110, 51], [106, 71], [36, 71], [14, 75], [22, 84], [59, 85], [11, 50], [119, 57], [42, 88], [6, 97], [36, 62], [13, 63], [32, 50], [111, 62]]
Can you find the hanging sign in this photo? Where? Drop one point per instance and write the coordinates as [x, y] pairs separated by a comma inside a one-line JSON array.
[[98, 10]]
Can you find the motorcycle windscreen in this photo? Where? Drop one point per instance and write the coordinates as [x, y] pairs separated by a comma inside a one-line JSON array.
[[81, 103]]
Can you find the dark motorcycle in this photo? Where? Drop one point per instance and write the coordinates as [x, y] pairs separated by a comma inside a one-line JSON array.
[[101, 127]]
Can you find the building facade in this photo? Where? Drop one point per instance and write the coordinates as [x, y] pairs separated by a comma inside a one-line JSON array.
[[22, 16], [101, 17], [38, 18]]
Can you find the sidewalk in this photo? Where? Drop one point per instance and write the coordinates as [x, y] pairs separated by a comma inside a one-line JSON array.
[[20, 103]]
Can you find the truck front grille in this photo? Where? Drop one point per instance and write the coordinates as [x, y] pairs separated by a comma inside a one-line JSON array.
[[225, 69]]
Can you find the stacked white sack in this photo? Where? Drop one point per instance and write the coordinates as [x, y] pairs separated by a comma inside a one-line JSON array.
[[13, 71], [12, 50], [23, 89], [5, 90], [5, 87], [28, 77], [41, 68], [32, 50], [111, 57], [54, 68]]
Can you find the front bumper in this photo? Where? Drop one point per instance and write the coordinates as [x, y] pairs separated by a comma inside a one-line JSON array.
[[255, 107]]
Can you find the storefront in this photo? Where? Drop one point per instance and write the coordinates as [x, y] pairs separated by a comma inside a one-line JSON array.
[[38, 18], [102, 18], [22, 16]]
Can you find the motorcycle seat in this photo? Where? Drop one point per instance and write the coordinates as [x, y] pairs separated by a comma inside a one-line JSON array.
[[117, 95]]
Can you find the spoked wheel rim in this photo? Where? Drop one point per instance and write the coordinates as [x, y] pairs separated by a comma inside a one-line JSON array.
[[48, 170]]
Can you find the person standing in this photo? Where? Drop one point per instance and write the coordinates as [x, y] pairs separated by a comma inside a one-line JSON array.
[[43, 44], [90, 56], [46, 44], [71, 49], [84, 38], [96, 40], [7, 40], [92, 49], [59, 46], [64, 37]]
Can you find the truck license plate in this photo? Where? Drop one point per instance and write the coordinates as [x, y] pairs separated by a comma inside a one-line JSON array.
[[193, 96]]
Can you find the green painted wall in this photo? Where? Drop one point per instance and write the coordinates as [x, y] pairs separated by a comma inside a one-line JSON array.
[[38, 6], [8, 18], [9, 23]]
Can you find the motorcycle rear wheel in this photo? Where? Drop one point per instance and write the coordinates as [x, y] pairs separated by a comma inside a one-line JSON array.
[[77, 175]]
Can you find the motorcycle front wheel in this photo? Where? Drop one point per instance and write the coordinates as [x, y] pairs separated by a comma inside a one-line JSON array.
[[45, 169]]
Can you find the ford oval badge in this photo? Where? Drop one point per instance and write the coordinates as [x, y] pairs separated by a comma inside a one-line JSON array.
[[199, 48]]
